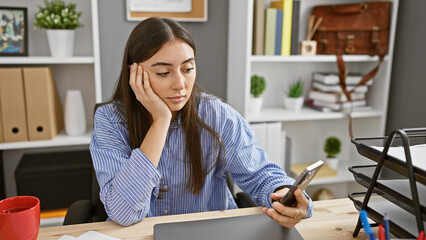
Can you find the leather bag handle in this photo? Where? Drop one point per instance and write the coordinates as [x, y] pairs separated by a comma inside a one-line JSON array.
[[350, 8], [342, 82], [343, 72]]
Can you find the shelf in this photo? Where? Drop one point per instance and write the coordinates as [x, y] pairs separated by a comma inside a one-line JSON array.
[[47, 60], [60, 140], [316, 58], [306, 114], [343, 175]]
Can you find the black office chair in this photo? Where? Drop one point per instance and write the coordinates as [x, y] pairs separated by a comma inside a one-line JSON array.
[[92, 210]]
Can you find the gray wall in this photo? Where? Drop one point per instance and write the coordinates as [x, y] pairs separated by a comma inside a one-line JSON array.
[[210, 38], [407, 95]]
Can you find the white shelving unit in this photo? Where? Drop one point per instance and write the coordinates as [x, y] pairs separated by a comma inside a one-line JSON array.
[[82, 71], [308, 128]]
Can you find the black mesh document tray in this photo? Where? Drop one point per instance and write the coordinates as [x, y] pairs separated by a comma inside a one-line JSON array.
[[400, 221], [366, 147], [394, 187]]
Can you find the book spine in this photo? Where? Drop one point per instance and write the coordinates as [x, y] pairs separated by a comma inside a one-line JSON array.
[[295, 28], [258, 27], [287, 19], [270, 21], [278, 31]]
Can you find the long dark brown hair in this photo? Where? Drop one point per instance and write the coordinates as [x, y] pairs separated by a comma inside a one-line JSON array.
[[145, 40]]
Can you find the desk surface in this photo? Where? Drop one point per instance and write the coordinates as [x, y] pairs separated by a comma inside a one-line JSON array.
[[332, 219]]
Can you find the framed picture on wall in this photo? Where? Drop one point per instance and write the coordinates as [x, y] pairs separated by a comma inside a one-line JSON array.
[[179, 10], [13, 31]]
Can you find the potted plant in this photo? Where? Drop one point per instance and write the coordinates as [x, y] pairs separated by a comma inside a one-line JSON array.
[[60, 20], [332, 148], [294, 99], [257, 87]]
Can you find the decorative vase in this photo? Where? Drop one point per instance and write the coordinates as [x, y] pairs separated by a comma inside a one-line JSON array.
[[255, 104], [75, 115], [61, 42], [332, 162], [294, 104]]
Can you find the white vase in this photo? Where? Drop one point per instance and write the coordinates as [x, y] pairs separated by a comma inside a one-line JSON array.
[[294, 104], [255, 105], [61, 42], [332, 162], [75, 115]]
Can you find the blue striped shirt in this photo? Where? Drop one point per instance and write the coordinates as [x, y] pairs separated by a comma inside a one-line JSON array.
[[129, 182]]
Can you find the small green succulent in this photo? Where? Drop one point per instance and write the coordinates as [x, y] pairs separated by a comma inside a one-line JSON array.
[[257, 86], [295, 89], [332, 146]]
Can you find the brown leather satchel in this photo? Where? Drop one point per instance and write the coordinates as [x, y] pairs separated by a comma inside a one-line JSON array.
[[353, 28], [361, 28]]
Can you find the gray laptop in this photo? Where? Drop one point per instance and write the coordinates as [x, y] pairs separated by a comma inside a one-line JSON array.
[[251, 227]]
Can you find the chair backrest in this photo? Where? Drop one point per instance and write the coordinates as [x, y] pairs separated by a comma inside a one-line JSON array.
[[99, 214]]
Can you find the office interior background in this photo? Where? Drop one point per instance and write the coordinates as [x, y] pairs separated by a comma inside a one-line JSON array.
[[408, 79], [408, 82]]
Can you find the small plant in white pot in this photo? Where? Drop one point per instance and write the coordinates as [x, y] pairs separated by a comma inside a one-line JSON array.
[[257, 87], [60, 20], [332, 148], [294, 99]]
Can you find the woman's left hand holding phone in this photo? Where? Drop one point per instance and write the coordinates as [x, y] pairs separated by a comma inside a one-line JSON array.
[[287, 216], [153, 143]]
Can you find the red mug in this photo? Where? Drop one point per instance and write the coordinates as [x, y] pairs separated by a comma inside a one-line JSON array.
[[19, 218]]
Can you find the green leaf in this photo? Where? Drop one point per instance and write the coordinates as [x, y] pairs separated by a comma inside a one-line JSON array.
[[56, 14]]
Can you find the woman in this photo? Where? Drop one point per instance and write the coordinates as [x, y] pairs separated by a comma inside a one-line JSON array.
[[161, 146]]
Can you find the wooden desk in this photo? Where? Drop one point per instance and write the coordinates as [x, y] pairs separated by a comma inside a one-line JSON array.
[[333, 219]]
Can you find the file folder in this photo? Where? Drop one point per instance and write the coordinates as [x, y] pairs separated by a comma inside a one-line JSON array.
[[1, 127], [44, 108], [13, 105]]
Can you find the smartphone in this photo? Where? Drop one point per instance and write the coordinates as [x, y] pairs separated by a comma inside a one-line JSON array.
[[301, 182]]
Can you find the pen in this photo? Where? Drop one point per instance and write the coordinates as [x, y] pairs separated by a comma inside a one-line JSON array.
[[366, 225], [381, 233], [421, 235], [386, 225]]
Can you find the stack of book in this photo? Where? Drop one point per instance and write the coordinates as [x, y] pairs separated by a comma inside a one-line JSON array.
[[326, 94], [276, 27]]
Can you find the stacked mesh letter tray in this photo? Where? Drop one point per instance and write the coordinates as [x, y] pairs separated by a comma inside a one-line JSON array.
[[394, 186]]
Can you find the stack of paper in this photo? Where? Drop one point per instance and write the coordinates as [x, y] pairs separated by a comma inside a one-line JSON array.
[[90, 235]]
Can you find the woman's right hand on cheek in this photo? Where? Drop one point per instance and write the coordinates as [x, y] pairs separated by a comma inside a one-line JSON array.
[[139, 82]]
